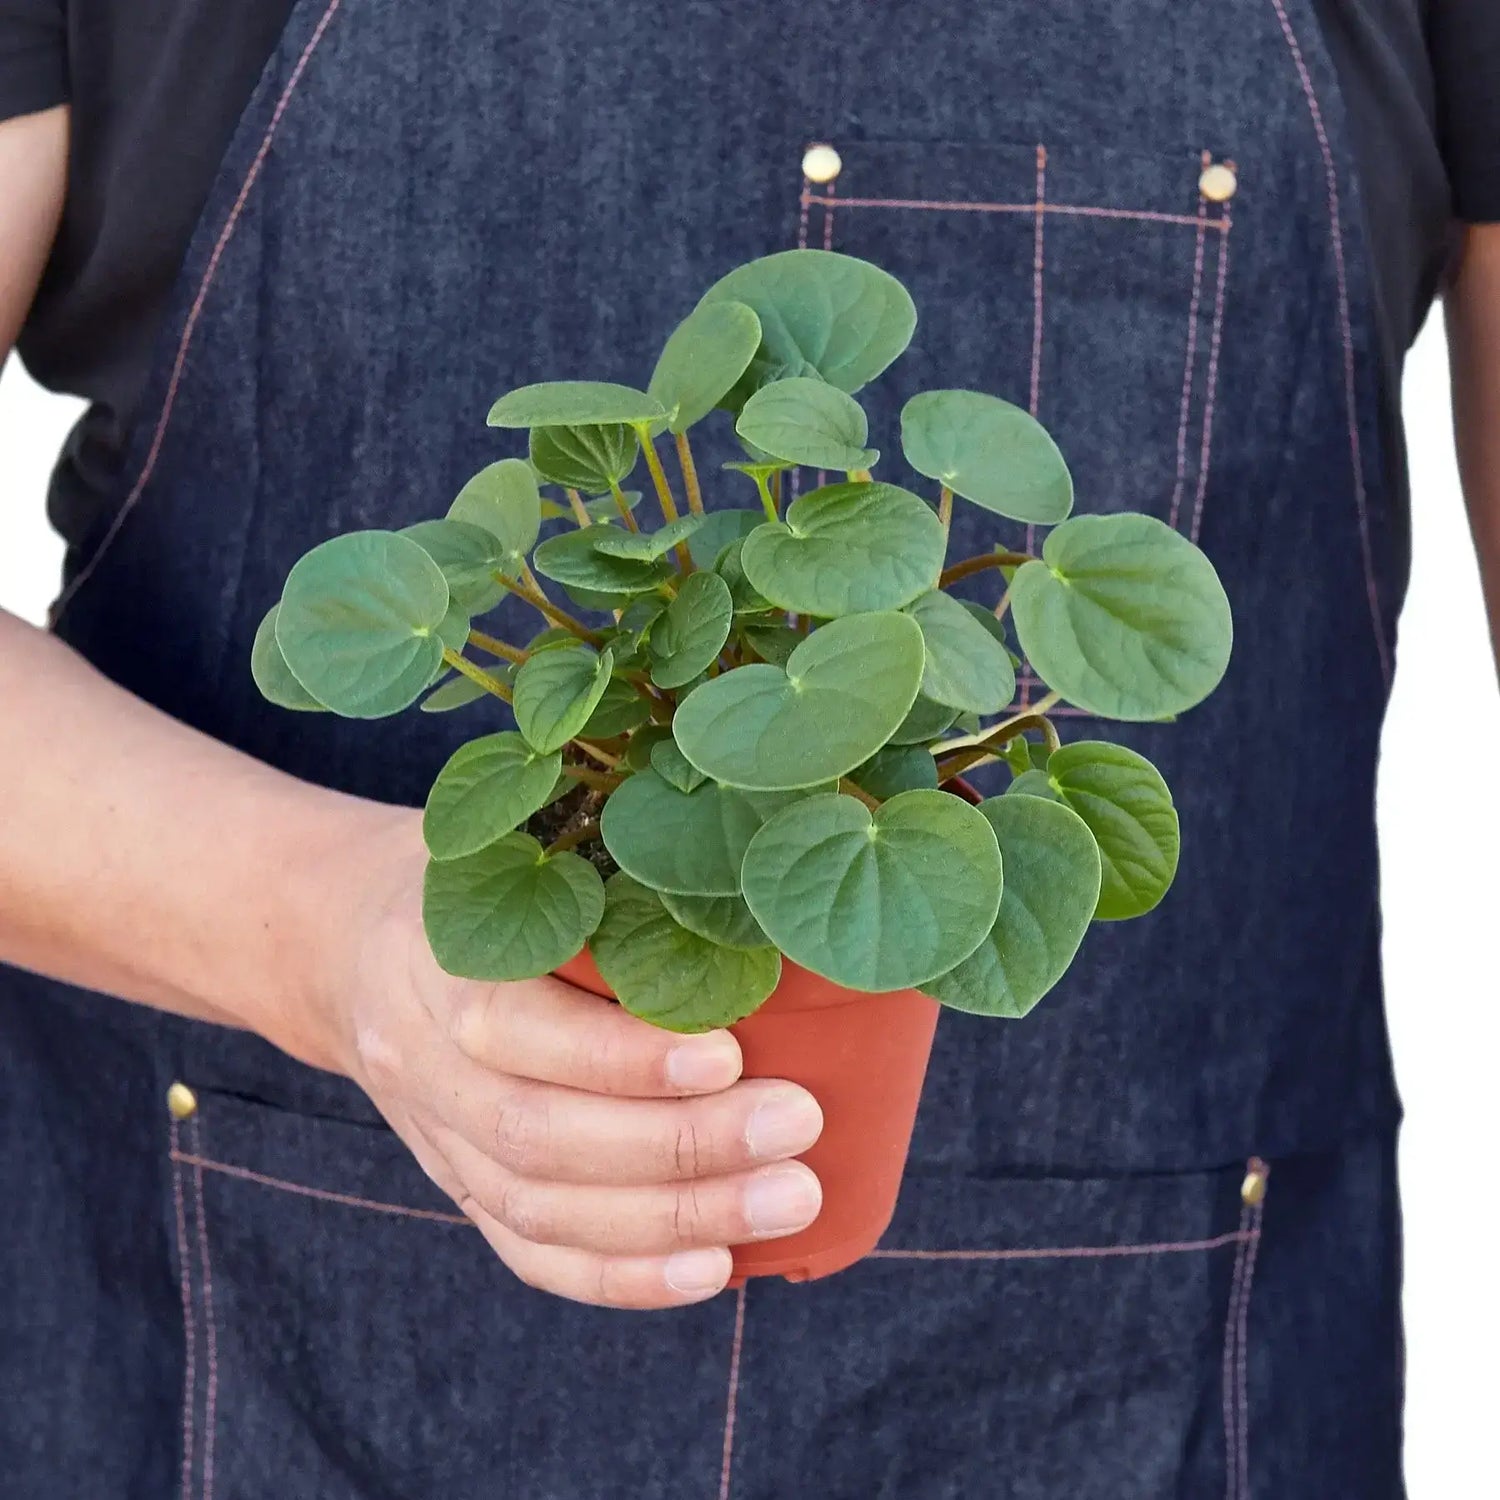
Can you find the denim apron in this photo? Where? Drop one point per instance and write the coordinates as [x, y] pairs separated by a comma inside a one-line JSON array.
[[1148, 1242]]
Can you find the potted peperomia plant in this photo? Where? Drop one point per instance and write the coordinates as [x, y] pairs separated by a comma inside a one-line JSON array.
[[733, 794]]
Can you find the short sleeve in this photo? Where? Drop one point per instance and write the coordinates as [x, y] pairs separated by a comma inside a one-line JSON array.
[[33, 56], [1465, 41]]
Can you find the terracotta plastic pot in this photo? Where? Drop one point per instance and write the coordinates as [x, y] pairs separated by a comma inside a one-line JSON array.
[[863, 1058]]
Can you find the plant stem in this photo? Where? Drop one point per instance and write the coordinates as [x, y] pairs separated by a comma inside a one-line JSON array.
[[859, 476], [669, 509], [767, 502], [849, 788], [945, 507], [462, 664], [971, 565], [530, 589], [580, 511], [594, 752], [622, 505], [601, 780], [496, 648], [1003, 605], [956, 756], [689, 475], [573, 839]]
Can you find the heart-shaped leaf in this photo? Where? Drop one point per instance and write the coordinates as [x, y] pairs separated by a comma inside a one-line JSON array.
[[556, 692], [359, 623], [674, 767], [838, 699], [503, 500], [896, 769], [488, 787], [822, 313], [689, 636], [1128, 809], [772, 643], [510, 911], [670, 976], [725, 920], [845, 549], [967, 668], [469, 556], [619, 710], [1052, 873], [731, 569], [574, 560], [707, 353], [989, 452], [638, 751], [926, 721], [719, 529], [690, 843], [647, 546], [1125, 617], [881, 901], [590, 459], [808, 422], [272, 675], [457, 691], [574, 403]]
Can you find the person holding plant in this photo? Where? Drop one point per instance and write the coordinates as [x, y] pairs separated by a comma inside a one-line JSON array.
[[1121, 1263]]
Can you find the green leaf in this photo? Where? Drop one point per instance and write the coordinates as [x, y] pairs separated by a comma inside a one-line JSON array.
[[845, 549], [670, 976], [822, 313], [690, 843], [641, 614], [687, 639], [1125, 617], [647, 546], [772, 643], [725, 920], [590, 459], [674, 767], [926, 721], [967, 668], [453, 632], [1052, 873], [807, 422], [1034, 784], [469, 557], [731, 569], [556, 692], [705, 356], [881, 901], [719, 529], [456, 691], [638, 751], [503, 500], [986, 618], [843, 692], [574, 403], [488, 787], [573, 559], [1128, 809], [510, 911], [359, 620], [896, 769], [989, 452], [272, 675], [619, 710]]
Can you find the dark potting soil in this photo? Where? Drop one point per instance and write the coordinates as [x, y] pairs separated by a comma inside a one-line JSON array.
[[572, 811]]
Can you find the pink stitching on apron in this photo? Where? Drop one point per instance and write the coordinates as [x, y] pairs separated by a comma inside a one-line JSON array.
[[828, 207], [1346, 331], [348, 1201], [726, 1473], [1038, 257], [212, 1397], [189, 1335], [1069, 1252], [1073, 210], [1231, 1325], [806, 202], [191, 325], [1192, 354], [1242, 1353], [1215, 339]]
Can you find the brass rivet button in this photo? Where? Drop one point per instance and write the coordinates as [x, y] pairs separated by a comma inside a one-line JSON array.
[[1253, 1188], [1218, 182], [821, 164], [182, 1102]]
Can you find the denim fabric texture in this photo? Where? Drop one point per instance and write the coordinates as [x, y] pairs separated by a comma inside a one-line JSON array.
[[427, 205]]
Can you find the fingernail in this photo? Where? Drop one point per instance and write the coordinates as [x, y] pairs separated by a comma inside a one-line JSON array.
[[781, 1200], [787, 1122], [708, 1062], [697, 1271]]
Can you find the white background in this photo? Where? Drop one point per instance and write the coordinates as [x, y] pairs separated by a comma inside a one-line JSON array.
[[1440, 837]]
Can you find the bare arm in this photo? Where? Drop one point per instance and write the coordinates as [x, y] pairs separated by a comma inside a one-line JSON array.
[[1473, 315], [604, 1160]]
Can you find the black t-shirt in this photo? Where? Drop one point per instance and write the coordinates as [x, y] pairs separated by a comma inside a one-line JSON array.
[[156, 87]]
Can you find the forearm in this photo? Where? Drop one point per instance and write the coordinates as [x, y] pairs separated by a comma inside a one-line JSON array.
[[1473, 317], [143, 859]]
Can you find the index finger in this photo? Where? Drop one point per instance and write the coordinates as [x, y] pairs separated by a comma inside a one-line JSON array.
[[553, 1032]]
